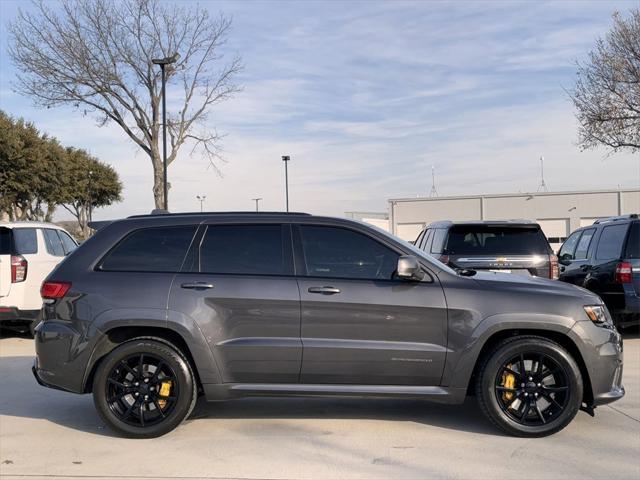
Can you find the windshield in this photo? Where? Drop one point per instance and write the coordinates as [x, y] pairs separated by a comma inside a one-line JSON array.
[[496, 240]]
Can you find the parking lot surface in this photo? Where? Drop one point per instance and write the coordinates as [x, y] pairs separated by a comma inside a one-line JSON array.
[[50, 434]]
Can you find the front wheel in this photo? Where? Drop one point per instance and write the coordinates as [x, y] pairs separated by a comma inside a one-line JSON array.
[[529, 386], [144, 388]]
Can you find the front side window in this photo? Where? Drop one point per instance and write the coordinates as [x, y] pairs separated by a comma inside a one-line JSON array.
[[342, 253], [159, 249], [583, 245], [25, 241], [569, 246], [243, 249], [611, 240]]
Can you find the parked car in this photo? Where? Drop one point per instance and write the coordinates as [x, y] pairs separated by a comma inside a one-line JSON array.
[[512, 246], [153, 310], [28, 253], [605, 258]]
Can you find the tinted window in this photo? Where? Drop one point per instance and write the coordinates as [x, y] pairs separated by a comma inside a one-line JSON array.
[[438, 240], [495, 240], [5, 241], [633, 244], [25, 241], [53, 242], [583, 244], [611, 240], [568, 247], [151, 250], [342, 253], [419, 239], [67, 242], [426, 239], [243, 249]]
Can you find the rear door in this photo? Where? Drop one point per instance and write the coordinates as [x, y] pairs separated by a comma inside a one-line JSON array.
[[632, 256], [517, 249], [5, 261], [238, 286]]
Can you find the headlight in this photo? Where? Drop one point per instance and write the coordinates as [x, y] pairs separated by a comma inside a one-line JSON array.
[[597, 314]]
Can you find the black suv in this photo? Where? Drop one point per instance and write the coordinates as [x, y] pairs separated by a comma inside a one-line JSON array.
[[605, 258], [152, 311], [512, 246]]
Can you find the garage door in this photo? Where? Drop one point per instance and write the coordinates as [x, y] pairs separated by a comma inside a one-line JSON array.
[[556, 231]]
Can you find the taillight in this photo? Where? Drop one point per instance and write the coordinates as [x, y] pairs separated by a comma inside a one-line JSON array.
[[554, 273], [18, 268], [54, 290], [624, 273]]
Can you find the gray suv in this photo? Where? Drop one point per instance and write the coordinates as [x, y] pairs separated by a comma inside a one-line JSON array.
[[155, 310]]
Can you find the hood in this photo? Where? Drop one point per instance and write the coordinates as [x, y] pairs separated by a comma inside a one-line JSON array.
[[509, 282]]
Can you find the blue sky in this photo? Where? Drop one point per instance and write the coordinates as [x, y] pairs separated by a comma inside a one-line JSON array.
[[367, 96]]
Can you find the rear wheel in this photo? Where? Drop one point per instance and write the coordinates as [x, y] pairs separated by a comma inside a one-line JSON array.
[[144, 388], [529, 386]]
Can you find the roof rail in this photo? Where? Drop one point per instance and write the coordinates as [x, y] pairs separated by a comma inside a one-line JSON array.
[[619, 218], [156, 213]]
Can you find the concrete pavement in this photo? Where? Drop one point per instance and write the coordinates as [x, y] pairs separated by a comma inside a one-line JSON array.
[[50, 434]]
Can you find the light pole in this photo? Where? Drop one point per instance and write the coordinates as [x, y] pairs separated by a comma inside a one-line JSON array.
[[286, 159], [163, 62], [89, 195], [256, 200], [201, 199]]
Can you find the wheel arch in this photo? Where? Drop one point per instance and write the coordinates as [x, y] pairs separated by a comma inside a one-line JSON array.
[[122, 334], [558, 337]]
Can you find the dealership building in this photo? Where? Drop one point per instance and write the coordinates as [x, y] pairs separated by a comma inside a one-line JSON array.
[[558, 213]]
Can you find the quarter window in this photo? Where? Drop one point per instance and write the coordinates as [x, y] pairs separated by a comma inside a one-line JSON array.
[[342, 253], [67, 242], [25, 241], [611, 240], [243, 249], [150, 250], [53, 242], [438, 240]]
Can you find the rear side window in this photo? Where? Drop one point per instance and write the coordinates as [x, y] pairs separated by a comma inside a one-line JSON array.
[[633, 244], [611, 240], [53, 242], [583, 245], [5, 241], [342, 253], [67, 242], [159, 249], [25, 241], [438, 240], [495, 240], [243, 249]]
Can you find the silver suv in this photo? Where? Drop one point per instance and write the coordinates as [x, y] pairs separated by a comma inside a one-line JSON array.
[[155, 310]]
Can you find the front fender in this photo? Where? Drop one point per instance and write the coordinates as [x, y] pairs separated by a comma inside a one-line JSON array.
[[462, 357]]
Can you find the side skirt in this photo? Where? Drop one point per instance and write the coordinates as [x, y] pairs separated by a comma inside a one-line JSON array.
[[226, 391]]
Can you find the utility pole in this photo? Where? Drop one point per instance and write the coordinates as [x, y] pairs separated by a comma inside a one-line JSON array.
[[256, 200], [286, 159], [543, 185], [434, 190]]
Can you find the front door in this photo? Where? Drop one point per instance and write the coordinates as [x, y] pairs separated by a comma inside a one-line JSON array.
[[241, 293], [359, 324]]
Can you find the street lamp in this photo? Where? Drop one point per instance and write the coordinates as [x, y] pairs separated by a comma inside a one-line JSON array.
[[201, 199], [163, 62], [286, 159], [256, 200], [89, 194]]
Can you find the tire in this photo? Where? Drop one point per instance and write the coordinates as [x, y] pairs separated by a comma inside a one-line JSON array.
[[551, 397], [120, 390]]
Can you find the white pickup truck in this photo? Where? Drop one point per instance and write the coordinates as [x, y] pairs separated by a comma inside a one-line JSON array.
[[28, 253]]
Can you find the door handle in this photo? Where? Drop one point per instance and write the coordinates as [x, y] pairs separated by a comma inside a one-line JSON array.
[[324, 290], [197, 285]]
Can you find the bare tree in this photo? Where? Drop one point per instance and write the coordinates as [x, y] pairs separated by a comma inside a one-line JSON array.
[[607, 90], [95, 55]]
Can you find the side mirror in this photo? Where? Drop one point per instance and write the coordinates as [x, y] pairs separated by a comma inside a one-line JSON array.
[[565, 259], [409, 268]]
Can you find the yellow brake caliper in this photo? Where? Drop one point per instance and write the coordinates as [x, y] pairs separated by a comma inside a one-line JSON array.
[[508, 381], [165, 389]]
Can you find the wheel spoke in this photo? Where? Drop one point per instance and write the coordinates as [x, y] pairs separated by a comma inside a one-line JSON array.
[[128, 368], [540, 413], [525, 412], [157, 405], [550, 399], [142, 413], [554, 389], [157, 372], [523, 370], [141, 365], [513, 372], [117, 384], [540, 365], [127, 413]]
